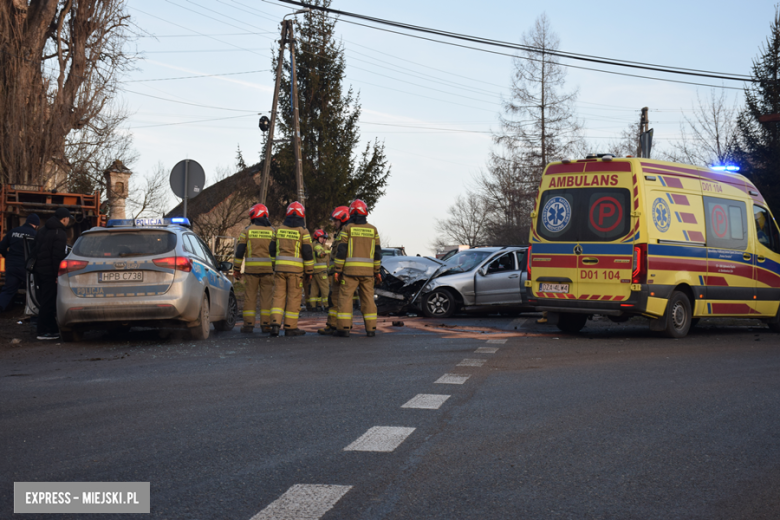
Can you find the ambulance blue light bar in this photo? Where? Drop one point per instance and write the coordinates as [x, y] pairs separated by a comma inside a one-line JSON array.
[[725, 168], [148, 222]]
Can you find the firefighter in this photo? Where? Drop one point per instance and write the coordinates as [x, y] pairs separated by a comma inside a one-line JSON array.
[[358, 260], [294, 260], [256, 242], [340, 216], [319, 284]]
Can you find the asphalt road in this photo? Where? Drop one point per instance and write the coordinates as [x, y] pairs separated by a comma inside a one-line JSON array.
[[613, 423]]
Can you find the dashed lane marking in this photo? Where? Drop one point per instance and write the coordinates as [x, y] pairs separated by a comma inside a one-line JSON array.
[[381, 438], [471, 363], [486, 350], [452, 379], [303, 502], [496, 341], [426, 401]]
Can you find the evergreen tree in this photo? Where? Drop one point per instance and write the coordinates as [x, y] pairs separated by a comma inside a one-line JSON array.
[[334, 173], [758, 146]]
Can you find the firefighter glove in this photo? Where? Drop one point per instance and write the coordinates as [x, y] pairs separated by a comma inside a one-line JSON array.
[[378, 278], [237, 275]]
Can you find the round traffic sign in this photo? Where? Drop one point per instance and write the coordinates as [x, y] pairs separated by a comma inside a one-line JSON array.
[[195, 175]]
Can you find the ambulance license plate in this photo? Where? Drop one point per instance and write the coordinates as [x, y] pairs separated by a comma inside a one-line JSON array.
[[121, 276], [554, 287]]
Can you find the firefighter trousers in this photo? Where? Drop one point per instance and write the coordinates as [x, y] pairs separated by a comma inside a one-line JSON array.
[[318, 294], [287, 299], [365, 287], [264, 284]]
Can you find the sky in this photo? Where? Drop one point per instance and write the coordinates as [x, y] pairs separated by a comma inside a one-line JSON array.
[[434, 106]]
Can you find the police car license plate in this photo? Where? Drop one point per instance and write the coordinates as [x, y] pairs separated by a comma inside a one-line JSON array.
[[554, 287], [121, 276]]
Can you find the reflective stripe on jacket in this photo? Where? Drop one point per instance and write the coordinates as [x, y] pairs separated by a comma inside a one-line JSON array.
[[291, 243], [254, 248], [359, 252]]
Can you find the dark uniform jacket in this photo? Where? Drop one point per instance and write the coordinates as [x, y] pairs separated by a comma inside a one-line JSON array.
[[51, 242], [359, 252], [12, 247], [293, 248]]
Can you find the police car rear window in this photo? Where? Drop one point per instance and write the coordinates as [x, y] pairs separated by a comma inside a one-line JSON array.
[[584, 214], [125, 244]]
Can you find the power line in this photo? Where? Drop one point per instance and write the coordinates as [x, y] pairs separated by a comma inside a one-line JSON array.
[[192, 104], [508, 45], [198, 76]]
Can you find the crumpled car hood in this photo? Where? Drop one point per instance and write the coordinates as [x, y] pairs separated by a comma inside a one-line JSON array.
[[403, 276]]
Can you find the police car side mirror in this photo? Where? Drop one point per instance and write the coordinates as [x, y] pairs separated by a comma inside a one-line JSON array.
[[226, 267]]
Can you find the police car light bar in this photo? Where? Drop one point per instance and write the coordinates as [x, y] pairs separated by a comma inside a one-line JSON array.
[[148, 222]]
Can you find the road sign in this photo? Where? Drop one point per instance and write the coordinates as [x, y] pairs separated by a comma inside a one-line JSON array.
[[187, 180]]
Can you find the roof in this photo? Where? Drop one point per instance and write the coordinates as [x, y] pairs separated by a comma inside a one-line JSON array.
[[215, 194]]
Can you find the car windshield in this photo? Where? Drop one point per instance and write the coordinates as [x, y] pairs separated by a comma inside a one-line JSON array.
[[124, 244], [467, 260]]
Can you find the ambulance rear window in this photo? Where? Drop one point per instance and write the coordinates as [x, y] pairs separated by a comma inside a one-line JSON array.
[[584, 214]]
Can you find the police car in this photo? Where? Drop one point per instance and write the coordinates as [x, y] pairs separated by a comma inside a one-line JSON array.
[[143, 272]]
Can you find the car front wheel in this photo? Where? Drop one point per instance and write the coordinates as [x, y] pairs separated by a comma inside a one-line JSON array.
[[439, 303], [230, 320]]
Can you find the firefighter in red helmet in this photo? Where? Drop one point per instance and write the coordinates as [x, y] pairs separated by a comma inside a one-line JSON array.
[[294, 260], [339, 217], [318, 294], [256, 251], [358, 260]]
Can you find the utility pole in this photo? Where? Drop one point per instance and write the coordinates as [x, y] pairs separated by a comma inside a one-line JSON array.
[[643, 124], [287, 37]]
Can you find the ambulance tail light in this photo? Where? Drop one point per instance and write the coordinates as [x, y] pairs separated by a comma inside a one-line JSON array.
[[639, 266]]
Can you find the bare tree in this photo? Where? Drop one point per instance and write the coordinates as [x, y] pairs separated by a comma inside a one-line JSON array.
[[149, 194], [60, 61], [708, 137], [625, 144], [539, 126], [466, 221]]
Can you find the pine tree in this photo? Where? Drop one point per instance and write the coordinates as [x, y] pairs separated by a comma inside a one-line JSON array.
[[240, 163], [334, 172], [758, 147]]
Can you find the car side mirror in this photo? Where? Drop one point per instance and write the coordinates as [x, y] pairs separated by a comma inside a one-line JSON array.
[[226, 267], [482, 271]]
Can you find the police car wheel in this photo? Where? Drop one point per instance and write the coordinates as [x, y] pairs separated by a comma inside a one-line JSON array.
[[230, 320], [678, 316], [201, 329], [439, 304]]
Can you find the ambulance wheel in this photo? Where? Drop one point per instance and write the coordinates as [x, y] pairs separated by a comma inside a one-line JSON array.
[[230, 320], [439, 304], [572, 323], [201, 328], [774, 323], [678, 316]]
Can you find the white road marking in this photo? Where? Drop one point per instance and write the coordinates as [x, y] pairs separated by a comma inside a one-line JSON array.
[[303, 502], [496, 341], [471, 363], [452, 379], [381, 438], [486, 350], [426, 401]]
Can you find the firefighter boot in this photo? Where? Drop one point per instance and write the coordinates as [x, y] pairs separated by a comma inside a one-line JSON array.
[[294, 332], [326, 331], [274, 331]]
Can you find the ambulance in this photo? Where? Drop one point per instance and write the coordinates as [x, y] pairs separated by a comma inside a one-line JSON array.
[[674, 243]]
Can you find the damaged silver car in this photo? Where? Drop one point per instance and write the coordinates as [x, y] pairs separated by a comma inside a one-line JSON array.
[[481, 279]]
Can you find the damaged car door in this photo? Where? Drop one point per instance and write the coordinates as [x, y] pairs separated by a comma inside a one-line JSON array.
[[498, 282]]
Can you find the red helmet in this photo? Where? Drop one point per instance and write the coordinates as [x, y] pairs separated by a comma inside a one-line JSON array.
[[296, 209], [341, 213], [319, 234], [258, 211], [359, 207]]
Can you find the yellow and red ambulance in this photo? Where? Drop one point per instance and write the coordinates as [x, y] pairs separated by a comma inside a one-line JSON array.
[[629, 236]]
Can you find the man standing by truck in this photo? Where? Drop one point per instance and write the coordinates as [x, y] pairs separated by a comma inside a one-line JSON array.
[[12, 249]]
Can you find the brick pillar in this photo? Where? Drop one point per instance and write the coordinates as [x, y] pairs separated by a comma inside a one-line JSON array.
[[117, 188]]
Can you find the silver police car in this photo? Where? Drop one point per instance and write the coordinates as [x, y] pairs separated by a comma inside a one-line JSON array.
[[143, 272]]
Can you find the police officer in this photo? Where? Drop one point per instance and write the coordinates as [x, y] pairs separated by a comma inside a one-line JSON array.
[[358, 260], [340, 216], [256, 242], [294, 259], [12, 249], [319, 284]]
